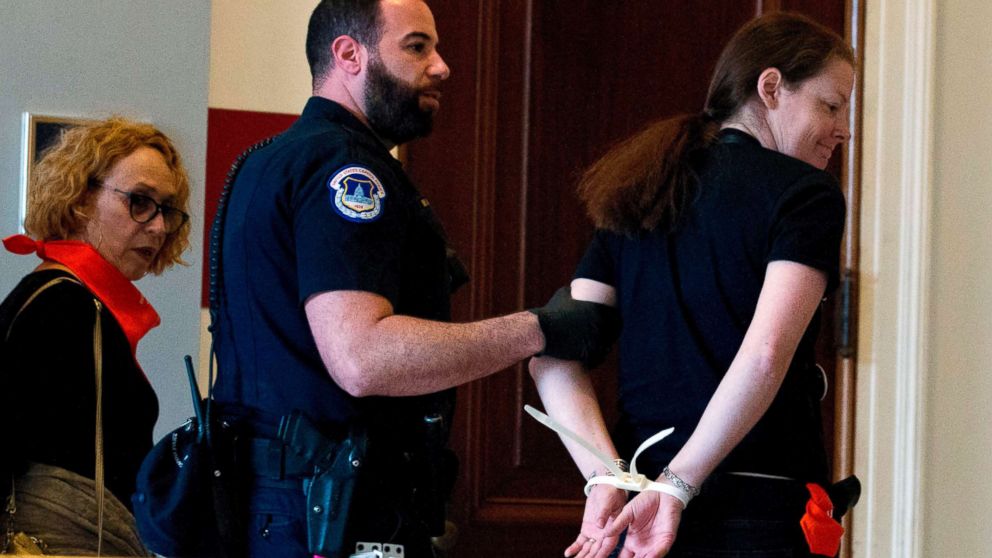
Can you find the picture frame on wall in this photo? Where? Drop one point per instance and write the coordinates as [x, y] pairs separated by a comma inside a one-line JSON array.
[[38, 133]]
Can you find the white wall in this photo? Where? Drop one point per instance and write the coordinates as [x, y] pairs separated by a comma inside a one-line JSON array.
[[924, 411], [957, 489], [258, 55], [143, 59]]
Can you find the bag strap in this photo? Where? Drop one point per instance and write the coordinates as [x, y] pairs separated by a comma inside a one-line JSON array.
[[33, 296], [98, 376], [10, 509], [98, 438]]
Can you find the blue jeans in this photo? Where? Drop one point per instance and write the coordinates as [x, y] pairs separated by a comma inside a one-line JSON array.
[[277, 523]]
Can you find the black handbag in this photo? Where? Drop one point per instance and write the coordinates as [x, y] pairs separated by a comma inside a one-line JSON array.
[[190, 487]]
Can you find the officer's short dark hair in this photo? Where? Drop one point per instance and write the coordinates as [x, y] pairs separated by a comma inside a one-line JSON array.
[[359, 19]]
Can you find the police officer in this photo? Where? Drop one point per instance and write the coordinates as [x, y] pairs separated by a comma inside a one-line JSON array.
[[334, 304]]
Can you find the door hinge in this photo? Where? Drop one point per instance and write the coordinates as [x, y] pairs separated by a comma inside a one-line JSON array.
[[846, 338]]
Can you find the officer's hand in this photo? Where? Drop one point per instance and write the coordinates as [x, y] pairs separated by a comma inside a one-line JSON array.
[[577, 330]]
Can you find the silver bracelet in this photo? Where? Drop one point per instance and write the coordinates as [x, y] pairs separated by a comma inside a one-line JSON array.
[[679, 483]]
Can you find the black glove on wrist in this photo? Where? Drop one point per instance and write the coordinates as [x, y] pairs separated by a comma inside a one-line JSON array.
[[577, 330]]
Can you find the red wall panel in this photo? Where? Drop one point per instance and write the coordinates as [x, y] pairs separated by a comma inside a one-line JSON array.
[[229, 132]]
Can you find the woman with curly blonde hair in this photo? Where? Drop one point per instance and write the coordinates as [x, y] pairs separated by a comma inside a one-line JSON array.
[[107, 205]]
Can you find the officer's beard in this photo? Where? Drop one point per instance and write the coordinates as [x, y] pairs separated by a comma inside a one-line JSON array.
[[393, 108]]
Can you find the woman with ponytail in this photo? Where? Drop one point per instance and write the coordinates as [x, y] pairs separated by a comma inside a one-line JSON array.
[[718, 237]]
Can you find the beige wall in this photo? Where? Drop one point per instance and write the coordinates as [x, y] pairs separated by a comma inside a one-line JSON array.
[[924, 434], [258, 55], [957, 487]]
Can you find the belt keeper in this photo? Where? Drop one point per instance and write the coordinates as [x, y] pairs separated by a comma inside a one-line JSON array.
[[274, 457]]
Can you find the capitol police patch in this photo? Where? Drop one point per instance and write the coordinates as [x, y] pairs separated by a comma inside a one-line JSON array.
[[356, 194]]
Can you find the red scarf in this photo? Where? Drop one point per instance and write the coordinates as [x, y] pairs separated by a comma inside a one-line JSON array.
[[134, 314]]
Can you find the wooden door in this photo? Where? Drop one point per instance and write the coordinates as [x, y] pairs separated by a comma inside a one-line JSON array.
[[539, 89]]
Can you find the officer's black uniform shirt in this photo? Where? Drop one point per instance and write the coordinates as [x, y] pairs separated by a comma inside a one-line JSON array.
[[324, 207], [687, 299]]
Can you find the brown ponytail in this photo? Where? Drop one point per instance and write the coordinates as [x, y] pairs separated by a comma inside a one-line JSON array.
[[645, 181]]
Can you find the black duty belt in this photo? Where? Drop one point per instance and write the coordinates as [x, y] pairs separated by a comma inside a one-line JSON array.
[[270, 459]]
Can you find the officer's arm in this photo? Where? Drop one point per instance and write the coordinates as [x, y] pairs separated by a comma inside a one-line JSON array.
[[369, 350]]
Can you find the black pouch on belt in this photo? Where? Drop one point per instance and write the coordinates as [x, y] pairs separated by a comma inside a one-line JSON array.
[[844, 494], [336, 465]]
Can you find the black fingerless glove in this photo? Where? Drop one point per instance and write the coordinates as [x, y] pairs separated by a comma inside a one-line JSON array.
[[577, 330]]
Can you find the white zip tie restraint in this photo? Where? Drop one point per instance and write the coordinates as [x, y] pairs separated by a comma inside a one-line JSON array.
[[632, 481]]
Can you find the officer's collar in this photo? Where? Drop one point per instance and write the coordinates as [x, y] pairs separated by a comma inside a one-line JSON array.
[[324, 108]]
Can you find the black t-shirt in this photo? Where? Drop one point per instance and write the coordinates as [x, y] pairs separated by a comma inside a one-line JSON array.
[[324, 207], [48, 387], [687, 299]]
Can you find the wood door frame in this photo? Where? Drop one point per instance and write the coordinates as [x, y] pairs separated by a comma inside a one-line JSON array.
[[845, 374]]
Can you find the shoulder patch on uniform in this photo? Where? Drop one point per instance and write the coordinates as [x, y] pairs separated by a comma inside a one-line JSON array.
[[356, 194]]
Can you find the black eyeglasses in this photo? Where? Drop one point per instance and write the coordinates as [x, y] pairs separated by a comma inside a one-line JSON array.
[[143, 209]]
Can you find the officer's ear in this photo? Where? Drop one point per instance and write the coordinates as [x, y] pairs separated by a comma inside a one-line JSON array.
[[348, 54]]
